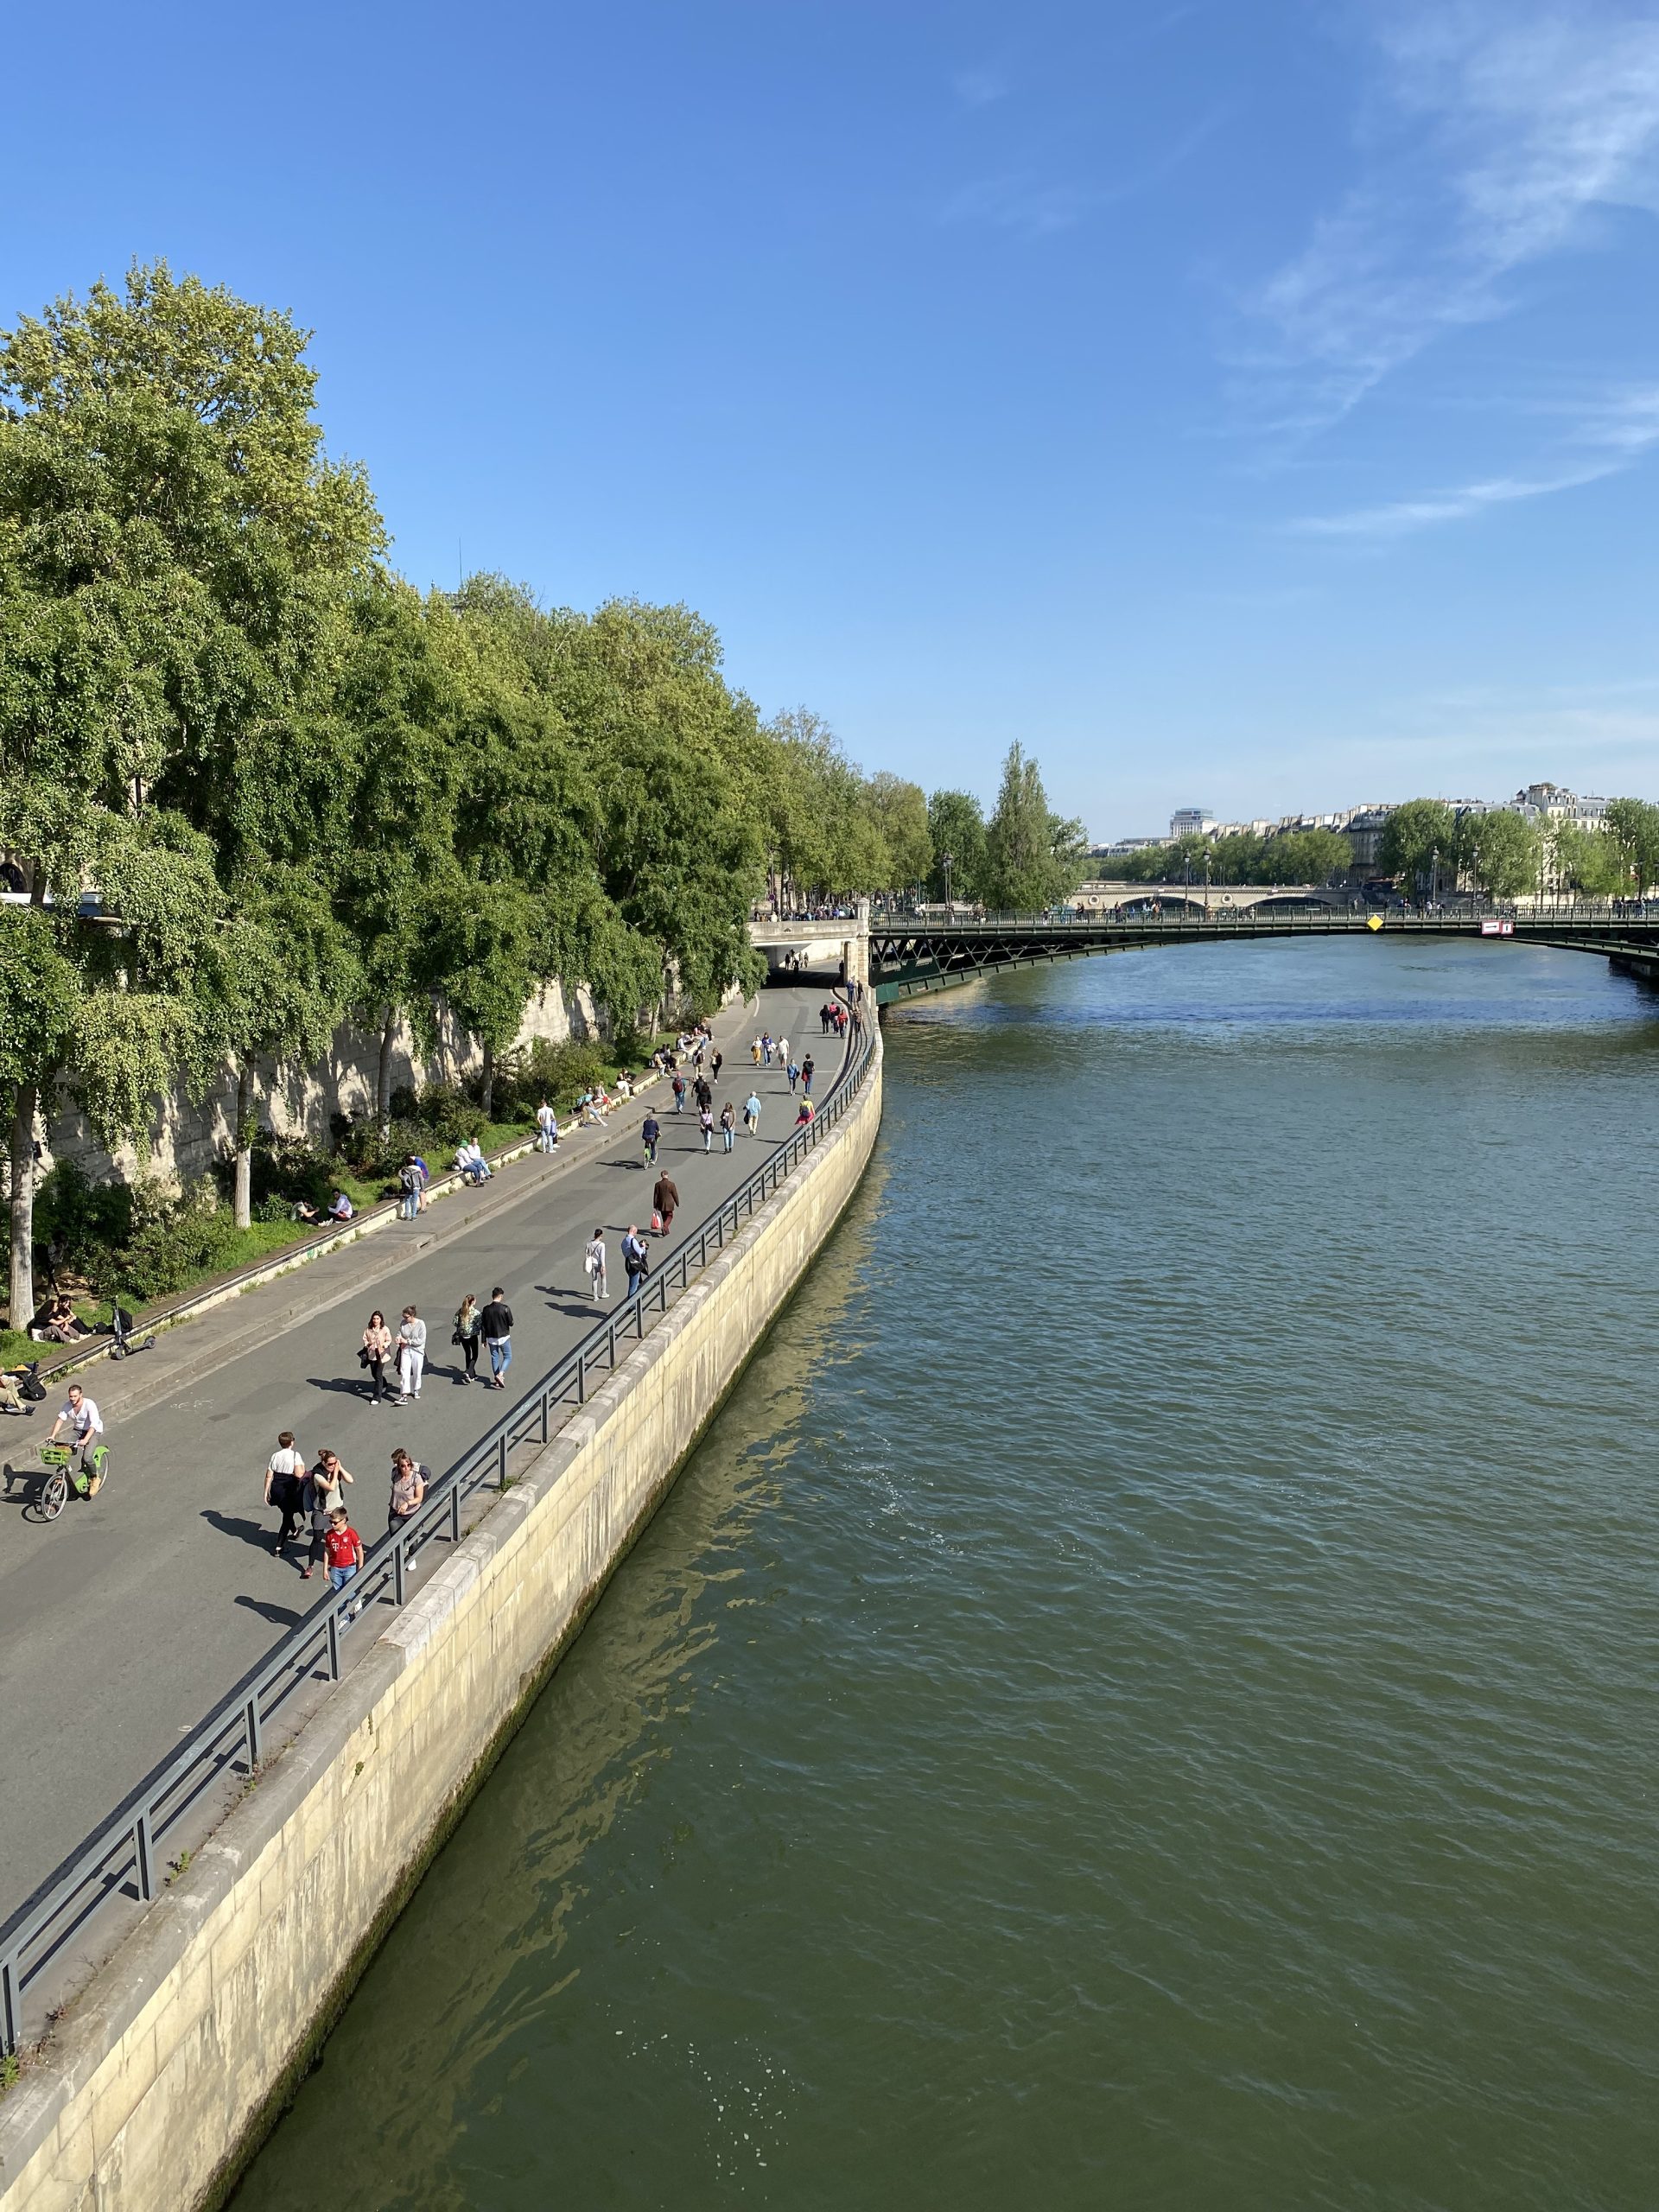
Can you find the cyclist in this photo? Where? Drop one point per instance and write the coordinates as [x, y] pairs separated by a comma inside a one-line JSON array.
[[86, 1425]]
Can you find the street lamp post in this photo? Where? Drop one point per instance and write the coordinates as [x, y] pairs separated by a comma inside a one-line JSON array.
[[944, 861]]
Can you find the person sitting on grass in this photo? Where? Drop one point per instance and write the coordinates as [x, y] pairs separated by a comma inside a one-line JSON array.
[[58, 1323], [469, 1158], [339, 1209]]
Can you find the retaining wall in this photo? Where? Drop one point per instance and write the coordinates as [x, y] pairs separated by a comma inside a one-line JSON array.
[[172, 2065]]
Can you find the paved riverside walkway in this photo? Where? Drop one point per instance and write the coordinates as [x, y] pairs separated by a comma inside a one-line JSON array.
[[124, 1622]]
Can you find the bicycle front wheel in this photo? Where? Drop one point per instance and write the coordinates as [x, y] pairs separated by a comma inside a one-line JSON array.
[[54, 1495]]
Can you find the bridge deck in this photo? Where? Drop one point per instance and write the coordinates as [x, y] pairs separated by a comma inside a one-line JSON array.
[[908, 957]]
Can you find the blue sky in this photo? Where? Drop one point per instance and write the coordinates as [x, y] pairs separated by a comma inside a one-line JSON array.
[[1252, 404]]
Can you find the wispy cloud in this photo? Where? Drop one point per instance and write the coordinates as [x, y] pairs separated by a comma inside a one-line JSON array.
[[1501, 124], [1018, 200], [1612, 432]]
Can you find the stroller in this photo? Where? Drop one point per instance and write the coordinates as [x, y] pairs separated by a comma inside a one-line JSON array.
[[121, 1329]]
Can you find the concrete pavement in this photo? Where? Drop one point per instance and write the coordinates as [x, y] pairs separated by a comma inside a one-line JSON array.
[[125, 1621]]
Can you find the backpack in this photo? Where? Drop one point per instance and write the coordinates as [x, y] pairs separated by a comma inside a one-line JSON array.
[[29, 1384], [409, 1179]]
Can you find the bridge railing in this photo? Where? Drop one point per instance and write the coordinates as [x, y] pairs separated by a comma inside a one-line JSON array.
[[124, 1857], [1586, 913]]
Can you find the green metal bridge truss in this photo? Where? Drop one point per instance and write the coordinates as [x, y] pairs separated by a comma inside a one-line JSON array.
[[909, 955]]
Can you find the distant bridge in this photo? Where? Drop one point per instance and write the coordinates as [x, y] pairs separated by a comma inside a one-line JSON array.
[[899, 955], [908, 955]]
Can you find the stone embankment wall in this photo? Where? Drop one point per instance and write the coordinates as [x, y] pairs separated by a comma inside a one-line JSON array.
[[167, 2071], [188, 1137]]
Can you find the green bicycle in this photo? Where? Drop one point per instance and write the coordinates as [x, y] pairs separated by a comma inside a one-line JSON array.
[[54, 1493]]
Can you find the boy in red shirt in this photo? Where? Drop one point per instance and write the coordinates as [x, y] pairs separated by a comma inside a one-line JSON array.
[[343, 1548]]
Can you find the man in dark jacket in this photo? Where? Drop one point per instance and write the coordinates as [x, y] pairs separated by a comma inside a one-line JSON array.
[[498, 1337]]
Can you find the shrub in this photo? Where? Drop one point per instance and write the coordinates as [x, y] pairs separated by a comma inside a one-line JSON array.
[[546, 1069], [84, 1222], [175, 1244]]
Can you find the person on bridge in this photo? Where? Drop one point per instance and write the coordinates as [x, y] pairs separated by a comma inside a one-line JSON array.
[[323, 1495], [411, 1355], [375, 1352], [343, 1548], [409, 1482], [497, 1337], [665, 1200], [284, 1472], [469, 1328]]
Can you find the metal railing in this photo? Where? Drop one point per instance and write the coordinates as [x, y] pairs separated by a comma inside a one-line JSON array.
[[124, 1857], [1553, 914]]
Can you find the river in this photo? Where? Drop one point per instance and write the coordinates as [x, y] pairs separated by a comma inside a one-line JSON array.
[[1146, 1696]]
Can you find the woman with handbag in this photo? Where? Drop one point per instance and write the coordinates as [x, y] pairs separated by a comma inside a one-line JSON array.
[[469, 1323], [374, 1351]]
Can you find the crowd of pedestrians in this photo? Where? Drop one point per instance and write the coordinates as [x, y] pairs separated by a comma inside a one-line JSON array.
[[311, 1497]]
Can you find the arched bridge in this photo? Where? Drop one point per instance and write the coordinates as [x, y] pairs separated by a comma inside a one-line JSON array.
[[910, 954]]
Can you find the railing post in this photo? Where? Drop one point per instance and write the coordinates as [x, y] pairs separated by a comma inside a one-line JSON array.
[[582, 1378], [250, 1731], [454, 1512], [501, 1464], [397, 1568], [11, 2009], [334, 1647], [144, 1852]]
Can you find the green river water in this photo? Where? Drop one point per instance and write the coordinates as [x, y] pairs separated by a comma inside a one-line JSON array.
[[1146, 1697]]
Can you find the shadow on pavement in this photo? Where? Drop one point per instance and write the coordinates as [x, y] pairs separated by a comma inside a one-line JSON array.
[[278, 1616], [251, 1532]]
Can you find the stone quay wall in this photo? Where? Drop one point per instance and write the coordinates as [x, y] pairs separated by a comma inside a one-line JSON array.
[[167, 2072]]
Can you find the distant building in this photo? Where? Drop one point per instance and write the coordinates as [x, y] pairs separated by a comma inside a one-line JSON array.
[[1552, 803], [1121, 845], [1191, 821]]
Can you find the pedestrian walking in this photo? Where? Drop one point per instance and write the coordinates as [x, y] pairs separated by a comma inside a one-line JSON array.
[[824, 1018], [284, 1472], [765, 1047], [593, 1265], [497, 1337], [678, 1088], [716, 1065], [469, 1328], [651, 1131], [728, 1125], [547, 1127], [804, 1119], [343, 1548], [408, 1182], [636, 1259], [409, 1482], [752, 1113], [794, 1074], [783, 1051], [324, 1496], [665, 1200], [706, 1123], [808, 1071], [374, 1351], [702, 1093], [754, 1051], [411, 1354]]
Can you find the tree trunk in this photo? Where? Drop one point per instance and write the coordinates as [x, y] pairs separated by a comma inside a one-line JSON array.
[[383, 1082], [244, 1201], [487, 1093], [22, 1205]]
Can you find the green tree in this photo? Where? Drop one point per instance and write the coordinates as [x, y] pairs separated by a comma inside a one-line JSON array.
[[1504, 850], [1633, 827], [1413, 837], [955, 825], [901, 815], [1585, 861], [1033, 858]]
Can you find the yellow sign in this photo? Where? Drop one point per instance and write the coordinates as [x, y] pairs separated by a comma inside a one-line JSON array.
[[1375, 921]]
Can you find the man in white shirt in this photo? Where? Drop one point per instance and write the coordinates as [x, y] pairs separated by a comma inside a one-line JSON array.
[[85, 1426], [284, 1485], [547, 1126]]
